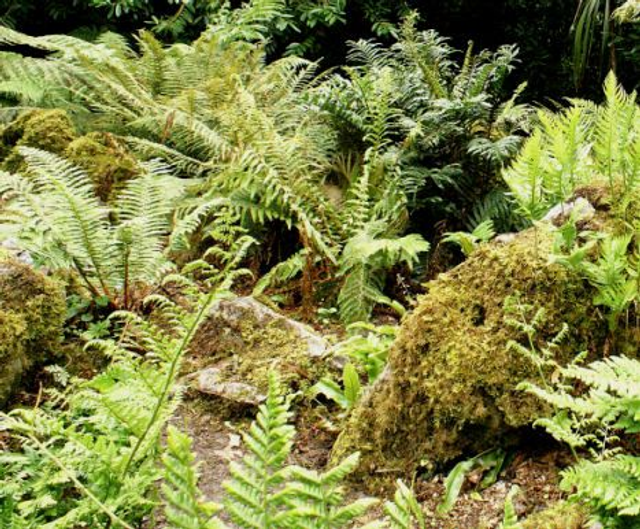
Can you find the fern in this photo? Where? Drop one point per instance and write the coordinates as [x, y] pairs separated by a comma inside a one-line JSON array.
[[583, 145], [468, 242], [368, 346], [510, 517], [252, 493], [263, 492], [315, 500], [610, 483], [91, 453], [64, 225], [363, 260], [184, 509], [404, 509], [347, 396], [611, 275]]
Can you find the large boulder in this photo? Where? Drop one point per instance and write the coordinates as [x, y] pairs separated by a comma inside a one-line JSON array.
[[32, 310], [450, 385]]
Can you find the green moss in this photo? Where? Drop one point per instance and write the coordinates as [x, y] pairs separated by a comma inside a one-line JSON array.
[[247, 350], [562, 515], [451, 384], [32, 310], [106, 160], [49, 130]]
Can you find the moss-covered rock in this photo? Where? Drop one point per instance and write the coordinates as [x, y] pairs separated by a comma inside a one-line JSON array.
[[32, 309], [244, 340], [450, 386], [105, 159], [49, 130]]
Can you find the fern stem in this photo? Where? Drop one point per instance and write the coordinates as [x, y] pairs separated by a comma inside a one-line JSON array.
[[112, 516], [85, 278], [169, 380], [125, 286]]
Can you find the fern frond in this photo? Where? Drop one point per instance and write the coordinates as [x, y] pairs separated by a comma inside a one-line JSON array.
[[184, 508], [404, 510], [611, 485], [252, 499], [281, 273]]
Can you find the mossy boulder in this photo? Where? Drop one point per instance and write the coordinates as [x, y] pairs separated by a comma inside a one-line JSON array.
[[49, 130], [32, 310], [106, 160], [450, 387]]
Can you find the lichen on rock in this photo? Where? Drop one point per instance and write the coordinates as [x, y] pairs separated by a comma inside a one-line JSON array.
[[451, 383], [32, 310]]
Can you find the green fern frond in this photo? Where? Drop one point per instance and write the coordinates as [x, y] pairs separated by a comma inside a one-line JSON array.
[[315, 500], [184, 508], [510, 517], [252, 492], [404, 511], [281, 273], [612, 486]]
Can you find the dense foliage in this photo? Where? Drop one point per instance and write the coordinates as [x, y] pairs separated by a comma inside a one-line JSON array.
[[158, 159]]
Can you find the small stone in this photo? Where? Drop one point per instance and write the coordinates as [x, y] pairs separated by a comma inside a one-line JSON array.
[[505, 238], [580, 208], [209, 381], [12, 247]]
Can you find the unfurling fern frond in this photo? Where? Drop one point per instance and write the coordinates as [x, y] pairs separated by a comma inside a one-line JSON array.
[[184, 507]]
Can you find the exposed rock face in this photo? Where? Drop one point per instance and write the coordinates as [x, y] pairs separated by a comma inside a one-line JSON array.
[[242, 340], [450, 386], [580, 209], [32, 309]]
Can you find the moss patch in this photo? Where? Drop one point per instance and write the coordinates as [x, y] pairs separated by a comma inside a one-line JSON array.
[[49, 130], [451, 383], [562, 515], [106, 160], [32, 310]]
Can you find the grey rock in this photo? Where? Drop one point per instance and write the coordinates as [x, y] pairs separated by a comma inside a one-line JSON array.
[[580, 208], [234, 311], [209, 381], [11, 246]]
